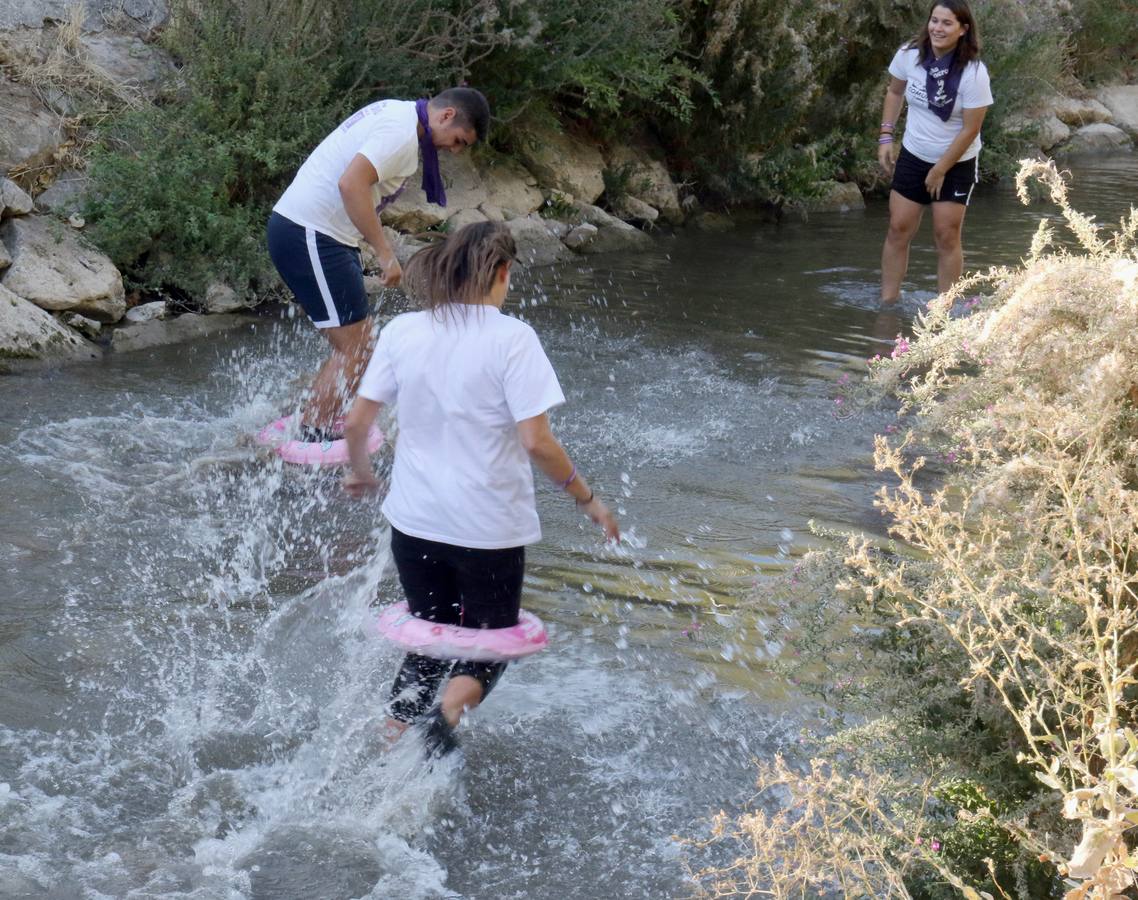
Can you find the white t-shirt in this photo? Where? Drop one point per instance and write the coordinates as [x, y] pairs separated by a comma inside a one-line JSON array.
[[461, 383], [927, 136], [387, 134]]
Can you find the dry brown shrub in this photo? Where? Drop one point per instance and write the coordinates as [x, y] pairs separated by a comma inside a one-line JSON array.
[[1020, 561]]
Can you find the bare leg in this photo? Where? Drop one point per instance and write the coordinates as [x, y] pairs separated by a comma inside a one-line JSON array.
[[948, 223], [392, 731], [904, 218], [461, 693], [338, 378]]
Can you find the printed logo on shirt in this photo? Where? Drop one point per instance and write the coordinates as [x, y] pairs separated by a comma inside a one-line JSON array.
[[370, 109]]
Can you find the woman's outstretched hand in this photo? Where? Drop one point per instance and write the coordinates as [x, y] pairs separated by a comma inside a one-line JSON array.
[[359, 486], [599, 513]]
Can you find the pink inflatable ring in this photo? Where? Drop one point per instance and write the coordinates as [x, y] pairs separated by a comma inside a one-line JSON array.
[[303, 453], [454, 642]]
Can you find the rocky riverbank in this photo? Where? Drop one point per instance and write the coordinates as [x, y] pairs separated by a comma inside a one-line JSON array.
[[62, 299]]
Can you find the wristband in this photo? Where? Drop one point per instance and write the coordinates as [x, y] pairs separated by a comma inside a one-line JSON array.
[[888, 125], [587, 500], [885, 140], [568, 481]]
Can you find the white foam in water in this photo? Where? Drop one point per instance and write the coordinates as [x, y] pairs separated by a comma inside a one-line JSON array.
[[223, 686]]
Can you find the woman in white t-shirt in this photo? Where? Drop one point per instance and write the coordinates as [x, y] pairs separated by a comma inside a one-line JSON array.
[[946, 85], [472, 387]]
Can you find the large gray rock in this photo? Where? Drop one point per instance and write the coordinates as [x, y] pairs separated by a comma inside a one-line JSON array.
[[65, 195], [471, 183], [537, 245], [647, 179], [144, 335], [465, 217], [29, 333], [510, 187], [86, 327], [1051, 132], [412, 213], [137, 16], [580, 236], [56, 270], [1075, 111], [5, 257], [836, 196], [465, 190], [1044, 130], [1122, 101], [562, 162], [13, 201], [127, 61], [493, 212], [1097, 138], [632, 209], [612, 233], [148, 312], [221, 298], [29, 131]]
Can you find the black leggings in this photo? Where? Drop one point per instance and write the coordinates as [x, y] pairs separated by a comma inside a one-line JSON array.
[[454, 586]]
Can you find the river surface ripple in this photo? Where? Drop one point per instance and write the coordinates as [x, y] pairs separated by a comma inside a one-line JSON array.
[[191, 675]]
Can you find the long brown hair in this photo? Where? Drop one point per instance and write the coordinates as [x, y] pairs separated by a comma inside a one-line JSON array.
[[461, 268], [967, 48]]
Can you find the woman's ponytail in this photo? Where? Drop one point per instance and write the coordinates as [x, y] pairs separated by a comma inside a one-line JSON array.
[[461, 268]]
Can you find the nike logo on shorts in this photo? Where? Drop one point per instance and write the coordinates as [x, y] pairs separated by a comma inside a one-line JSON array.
[[958, 194]]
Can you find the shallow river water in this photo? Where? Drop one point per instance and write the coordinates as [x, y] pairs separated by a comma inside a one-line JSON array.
[[191, 678]]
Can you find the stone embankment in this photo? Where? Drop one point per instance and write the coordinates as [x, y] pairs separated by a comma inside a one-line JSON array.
[[1105, 121], [61, 299]]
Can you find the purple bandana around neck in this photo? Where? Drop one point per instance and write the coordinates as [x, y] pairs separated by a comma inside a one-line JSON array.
[[433, 185], [942, 81]]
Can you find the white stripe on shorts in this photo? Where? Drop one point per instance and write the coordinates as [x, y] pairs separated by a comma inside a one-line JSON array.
[[975, 179], [321, 281]]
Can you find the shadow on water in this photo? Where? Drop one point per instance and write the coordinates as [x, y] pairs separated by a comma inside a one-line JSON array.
[[193, 678]]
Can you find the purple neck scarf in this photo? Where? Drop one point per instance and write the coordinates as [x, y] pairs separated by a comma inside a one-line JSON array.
[[942, 81], [433, 185]]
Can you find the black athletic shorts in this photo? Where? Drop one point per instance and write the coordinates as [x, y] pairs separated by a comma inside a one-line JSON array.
[[326, 276], [909, 179], [455, 586]]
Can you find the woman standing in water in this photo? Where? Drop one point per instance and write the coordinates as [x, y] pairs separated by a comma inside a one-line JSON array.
[[472, 389], [940, 73]]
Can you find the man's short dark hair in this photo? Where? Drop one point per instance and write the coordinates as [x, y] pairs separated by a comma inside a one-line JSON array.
[[471, 106]]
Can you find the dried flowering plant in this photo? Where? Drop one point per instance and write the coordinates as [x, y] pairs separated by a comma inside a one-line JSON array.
[[1016, 564]]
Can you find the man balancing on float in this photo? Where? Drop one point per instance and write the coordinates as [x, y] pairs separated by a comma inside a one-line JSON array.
[[316, 227]]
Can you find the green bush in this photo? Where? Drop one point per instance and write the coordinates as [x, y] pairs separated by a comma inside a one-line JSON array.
[[181, 190], [755, 101], [1105, 42]]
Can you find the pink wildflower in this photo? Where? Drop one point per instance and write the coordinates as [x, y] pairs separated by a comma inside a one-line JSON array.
[[900, 348], [936, 846]]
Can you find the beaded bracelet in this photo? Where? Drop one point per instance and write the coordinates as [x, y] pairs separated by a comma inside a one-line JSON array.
[[888, 125], [587, 500], [568, 481]]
